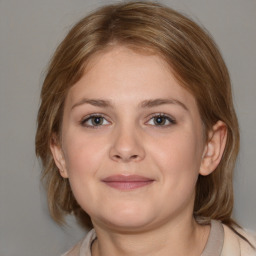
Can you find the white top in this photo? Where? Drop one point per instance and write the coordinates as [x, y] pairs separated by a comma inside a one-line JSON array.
[[222, 241]]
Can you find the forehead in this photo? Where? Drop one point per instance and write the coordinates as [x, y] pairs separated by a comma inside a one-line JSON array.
[[119, 72]]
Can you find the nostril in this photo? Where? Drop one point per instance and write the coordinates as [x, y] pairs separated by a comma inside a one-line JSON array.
[[126, 158]]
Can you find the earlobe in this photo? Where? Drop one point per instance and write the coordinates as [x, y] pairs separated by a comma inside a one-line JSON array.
[[58, 156], [214, 148]]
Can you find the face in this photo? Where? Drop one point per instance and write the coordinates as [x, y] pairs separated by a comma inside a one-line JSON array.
[[132, 142]]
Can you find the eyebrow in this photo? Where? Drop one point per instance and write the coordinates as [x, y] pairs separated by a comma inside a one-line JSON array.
[[94, 102], [144, 104], [159, 102]]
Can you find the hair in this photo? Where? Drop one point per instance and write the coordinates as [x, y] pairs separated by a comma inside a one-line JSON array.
[[194, 60]]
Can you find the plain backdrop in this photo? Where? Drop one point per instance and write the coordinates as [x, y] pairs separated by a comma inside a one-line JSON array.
[[30, 30]]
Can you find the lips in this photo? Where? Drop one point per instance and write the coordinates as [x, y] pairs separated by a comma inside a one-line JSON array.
[[127, 182]]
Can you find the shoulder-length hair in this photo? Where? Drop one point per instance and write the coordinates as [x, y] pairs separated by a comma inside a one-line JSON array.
[[194, 60]]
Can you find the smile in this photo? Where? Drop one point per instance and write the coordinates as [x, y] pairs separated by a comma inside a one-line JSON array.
[[126, 183]]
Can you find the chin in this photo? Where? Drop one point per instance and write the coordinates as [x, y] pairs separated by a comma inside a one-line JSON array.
[[127, 220], [129, 225]]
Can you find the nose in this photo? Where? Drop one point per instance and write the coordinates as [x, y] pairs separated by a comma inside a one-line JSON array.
[[127, 146]]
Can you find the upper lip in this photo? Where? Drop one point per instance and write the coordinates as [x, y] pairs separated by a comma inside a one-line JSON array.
[[126, 178]]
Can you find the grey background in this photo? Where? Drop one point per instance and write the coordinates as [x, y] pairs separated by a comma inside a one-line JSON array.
[[29, 32]]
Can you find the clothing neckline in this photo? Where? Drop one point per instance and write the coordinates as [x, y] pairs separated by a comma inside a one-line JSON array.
[[215, 241], [213, 245]]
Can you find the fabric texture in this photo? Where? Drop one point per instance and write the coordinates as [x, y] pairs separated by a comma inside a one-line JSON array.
[[222, 241], [215, 240]]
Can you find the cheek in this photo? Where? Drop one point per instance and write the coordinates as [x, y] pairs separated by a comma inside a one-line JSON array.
[[84, 157], [179, 151], [178, 158]]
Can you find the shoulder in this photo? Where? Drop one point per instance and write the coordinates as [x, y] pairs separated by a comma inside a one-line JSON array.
[[236, 245], [83, 247]]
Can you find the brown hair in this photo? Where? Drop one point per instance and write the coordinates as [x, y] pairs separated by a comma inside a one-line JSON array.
[[196, 63]]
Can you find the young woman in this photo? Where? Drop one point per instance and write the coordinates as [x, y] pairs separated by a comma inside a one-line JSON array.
[[138, 136]]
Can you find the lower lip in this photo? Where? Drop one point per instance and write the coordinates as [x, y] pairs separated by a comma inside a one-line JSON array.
[[128, 185]]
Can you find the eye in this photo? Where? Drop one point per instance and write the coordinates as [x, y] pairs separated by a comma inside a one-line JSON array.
[[161, 120], [94, 121]]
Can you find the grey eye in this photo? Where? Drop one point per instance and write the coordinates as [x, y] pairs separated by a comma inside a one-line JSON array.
[[94, 121], [97, 120], [161, 120]]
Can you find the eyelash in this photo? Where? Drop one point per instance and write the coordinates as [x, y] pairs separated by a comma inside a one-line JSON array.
[[171, 120], [89, 118]]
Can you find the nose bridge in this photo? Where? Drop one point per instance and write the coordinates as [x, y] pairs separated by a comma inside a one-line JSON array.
[[127, 143]]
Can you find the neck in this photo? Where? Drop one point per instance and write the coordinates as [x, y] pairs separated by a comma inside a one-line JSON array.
[[175, 239]]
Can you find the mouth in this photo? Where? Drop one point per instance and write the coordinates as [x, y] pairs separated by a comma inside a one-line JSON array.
[[127, 182]]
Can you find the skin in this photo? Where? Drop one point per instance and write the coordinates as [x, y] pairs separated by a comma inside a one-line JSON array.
[[124, 87]]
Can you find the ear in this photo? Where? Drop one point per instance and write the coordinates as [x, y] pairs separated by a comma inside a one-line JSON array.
[[58, 156], [214, 148]]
